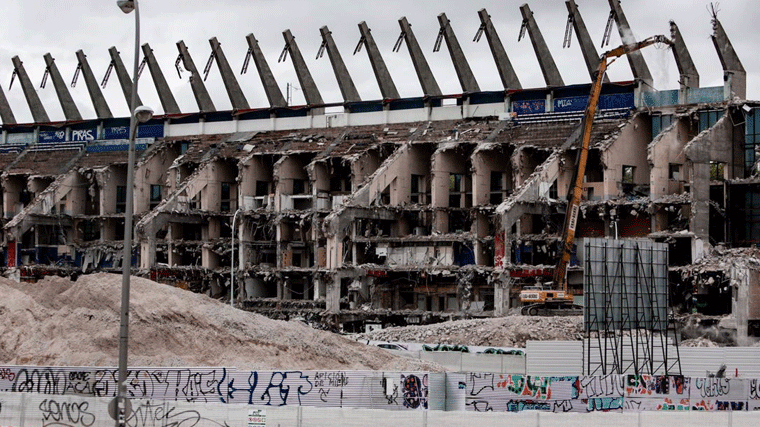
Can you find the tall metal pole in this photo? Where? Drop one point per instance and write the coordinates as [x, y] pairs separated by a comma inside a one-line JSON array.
[[232, 260], [127, 257]]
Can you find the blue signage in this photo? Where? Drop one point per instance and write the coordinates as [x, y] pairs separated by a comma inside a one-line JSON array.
[[120, 132], [533, 106], [150, 131], [82, 135], [51, 136], [618, 100], [575, 103]]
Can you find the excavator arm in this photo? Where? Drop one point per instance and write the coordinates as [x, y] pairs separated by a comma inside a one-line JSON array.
[[574, 194]]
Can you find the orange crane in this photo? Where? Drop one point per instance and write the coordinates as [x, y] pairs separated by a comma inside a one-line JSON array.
[[538, 299]]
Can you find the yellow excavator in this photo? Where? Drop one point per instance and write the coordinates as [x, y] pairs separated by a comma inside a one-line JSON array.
[[555, 300]]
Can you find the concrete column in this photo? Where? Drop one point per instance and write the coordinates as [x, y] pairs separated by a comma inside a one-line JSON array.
[[6, 114], [590, 54], [309, 88], [427, 80], [274, 94], [544, 55], [38, 110], [506, 72], [346, 84], [237, 98], [196, 81], [384, 80], [502, 286], [733, 70], [332, 300], [124, 79], [98, 100], [168, 103], [70, 110], [635, 59], [462, 67]]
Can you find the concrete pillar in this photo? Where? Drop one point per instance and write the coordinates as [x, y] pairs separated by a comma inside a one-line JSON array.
[[590, 54], [506, 72], [237, 98], [38, 110], [98, 100], [168, 103], [462, 67], [424, 74], [6, 114], [124, 79], [274, 94], [309, 88], [502, 287], [384, 80], [733, 70], [70, 110], [686, 67], [196, 81], [346, 84], [544, 55], [332, 299], [635, 59]]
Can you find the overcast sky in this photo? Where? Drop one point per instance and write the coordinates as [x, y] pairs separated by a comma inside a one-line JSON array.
[[34, 27]]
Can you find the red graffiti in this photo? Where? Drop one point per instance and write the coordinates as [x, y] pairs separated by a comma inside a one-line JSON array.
[[7, 374]]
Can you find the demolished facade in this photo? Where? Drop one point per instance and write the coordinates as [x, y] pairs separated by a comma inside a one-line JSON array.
[[399, 210]]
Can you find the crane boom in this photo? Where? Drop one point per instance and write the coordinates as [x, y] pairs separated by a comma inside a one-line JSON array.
[[560, 295]]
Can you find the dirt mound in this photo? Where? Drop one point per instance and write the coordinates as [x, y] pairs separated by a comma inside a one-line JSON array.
[[510, 331], [59, 322]]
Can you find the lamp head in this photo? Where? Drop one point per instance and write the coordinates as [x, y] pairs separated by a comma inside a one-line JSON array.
[[143, 114], [126, 6]]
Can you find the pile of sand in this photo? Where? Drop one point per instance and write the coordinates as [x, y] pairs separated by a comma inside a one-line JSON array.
[[59, 322], [510, 331]]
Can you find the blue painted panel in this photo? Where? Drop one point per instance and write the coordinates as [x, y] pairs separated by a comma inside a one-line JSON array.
[[150, 131], [705, 95], [50, 136], [20, 138], [575, 103], [82, 135], [119, 132], [533, 106], [617, 100], [658, 99], [105, 148]]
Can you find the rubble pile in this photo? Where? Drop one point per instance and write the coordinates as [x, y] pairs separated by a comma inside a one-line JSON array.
[[59, 322], [510, 331]]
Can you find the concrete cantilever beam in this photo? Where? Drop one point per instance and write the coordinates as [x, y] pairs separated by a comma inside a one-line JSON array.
[[384, 80], [168, 103], [462, 67], [590, 54], [345, 82], [237, 98], [196, 81], [274, 94], [124, 79], [506, 71], [734, 75], [310, 90], [425, 75], [35, 105], [70, 110], [98, 100], [686, 67], [635, 59], [6, 114], [544, 55]]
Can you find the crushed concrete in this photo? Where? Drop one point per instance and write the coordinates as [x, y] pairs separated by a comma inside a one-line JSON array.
[[57, 322], [510, 331]]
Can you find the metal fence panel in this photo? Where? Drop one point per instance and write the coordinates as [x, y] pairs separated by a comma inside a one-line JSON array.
[[554, 358]]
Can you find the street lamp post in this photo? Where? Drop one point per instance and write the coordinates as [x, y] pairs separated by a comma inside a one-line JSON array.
[[138, 114]]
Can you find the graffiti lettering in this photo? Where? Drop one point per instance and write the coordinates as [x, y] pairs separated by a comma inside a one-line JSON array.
[[415, 391], [605, 404], [754, 389], [151, 414], [563, 406], [43, 381], [712, 387], [7, 374], [66, 414], [330, 379], [730, 406], [480, 405], [294, 379], [527, 405], [608, 385], [480, 382]]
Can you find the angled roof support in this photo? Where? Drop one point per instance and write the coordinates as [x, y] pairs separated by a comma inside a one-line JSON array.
[[544, 55], [508, 76], [237, 98], [70, 110], [35, 105], [635, 59], [734, 75], [6, 114], [124, 79], [168, 103], [384, 80], [310, 90], [590, 54], [686, 67], [196, 81], [98, 100], [274, 94], [346, 84], [462, 67], [425, 75]]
